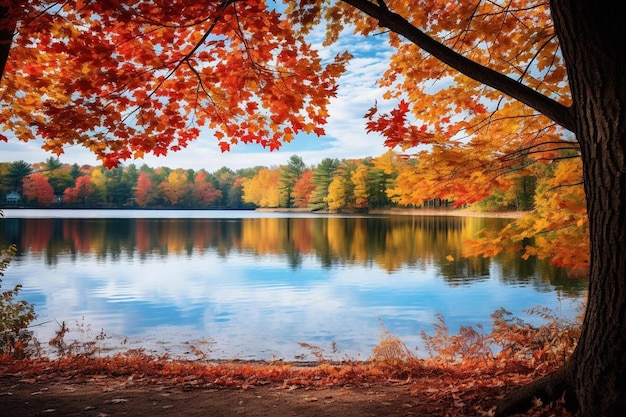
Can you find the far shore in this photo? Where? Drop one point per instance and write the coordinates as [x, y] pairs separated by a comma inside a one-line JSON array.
[[413, 212]]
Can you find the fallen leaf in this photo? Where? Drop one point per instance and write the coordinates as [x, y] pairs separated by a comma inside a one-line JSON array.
[[119, 400]]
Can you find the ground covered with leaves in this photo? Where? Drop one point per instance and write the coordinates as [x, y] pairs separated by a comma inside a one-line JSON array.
[[137, 385], [464, 374]]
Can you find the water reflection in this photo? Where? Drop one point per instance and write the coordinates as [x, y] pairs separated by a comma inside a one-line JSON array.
[[390, 243], [258, 285]]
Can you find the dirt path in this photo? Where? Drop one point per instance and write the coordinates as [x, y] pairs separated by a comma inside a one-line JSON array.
[[152, 387], [118, 397]]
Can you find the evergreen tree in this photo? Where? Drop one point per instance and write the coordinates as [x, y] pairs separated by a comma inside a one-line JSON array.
[[16, 173], [288, 177], [322, 177]]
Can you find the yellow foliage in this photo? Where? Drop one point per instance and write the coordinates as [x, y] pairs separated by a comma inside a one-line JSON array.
[[262, 189], [336, 197]]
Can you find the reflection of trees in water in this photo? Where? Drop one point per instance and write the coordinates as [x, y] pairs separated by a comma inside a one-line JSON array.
[[465, 270], [391, 243], [540, 274]]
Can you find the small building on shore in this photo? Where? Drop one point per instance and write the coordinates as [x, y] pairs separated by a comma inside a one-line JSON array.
[[12, 198]]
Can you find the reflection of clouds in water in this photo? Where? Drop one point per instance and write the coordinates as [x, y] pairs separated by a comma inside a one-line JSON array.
[[257, 306]]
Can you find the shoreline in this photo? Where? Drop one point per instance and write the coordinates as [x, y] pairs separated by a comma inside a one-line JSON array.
[[410, 212], [449, 212]]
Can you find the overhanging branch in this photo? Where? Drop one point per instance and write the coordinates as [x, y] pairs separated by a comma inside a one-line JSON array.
[[559, 113]]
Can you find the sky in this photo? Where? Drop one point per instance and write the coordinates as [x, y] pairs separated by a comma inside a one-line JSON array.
[[345, 137]]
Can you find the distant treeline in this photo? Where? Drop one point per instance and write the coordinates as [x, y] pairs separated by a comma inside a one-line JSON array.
[[333, 184]]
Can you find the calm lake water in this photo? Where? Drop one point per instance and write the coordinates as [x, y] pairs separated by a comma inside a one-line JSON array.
[[249, 285]]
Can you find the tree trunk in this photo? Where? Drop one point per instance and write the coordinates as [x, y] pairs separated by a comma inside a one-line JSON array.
[[591, 36], [593, 381], [7, 29]]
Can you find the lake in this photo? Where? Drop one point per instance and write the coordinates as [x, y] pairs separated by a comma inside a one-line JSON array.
[[250, 285]]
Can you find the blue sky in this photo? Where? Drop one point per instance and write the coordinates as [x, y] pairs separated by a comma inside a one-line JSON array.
[[345, 132]]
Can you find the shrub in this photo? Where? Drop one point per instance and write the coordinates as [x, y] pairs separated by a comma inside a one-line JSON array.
[[15, 315]]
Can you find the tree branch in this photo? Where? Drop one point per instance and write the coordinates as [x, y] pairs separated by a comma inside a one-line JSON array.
[[559, 113]]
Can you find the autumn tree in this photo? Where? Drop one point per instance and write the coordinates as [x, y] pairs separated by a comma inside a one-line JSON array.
[[98, 184], [360, 181], [340, 190], [177, 187], [262, 189], [81, 193], [302, 189], [337, 198], [474, 82], [144, 191], [38, 190], [522, 73], [203, 191]]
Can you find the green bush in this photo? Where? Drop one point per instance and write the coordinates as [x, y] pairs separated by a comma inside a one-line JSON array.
[[15, 315]]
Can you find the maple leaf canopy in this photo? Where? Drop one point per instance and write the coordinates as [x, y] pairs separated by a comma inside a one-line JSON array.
[[127, 78]]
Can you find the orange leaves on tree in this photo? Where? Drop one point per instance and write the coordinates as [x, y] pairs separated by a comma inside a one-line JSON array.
[[396, 129], [203, 191], [143, 79], [560, 219], [302, 189], [470, 138], [224, 146], [38, 189], [143, 192], [556, 229], [33, 70], [81, 192], [176, 187]]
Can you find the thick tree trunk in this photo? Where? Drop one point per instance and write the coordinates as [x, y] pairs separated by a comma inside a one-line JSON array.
[[593, 381], [7, 29]]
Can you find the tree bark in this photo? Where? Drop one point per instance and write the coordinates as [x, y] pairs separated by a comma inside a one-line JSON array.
[[7, 29], [591, 35]]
